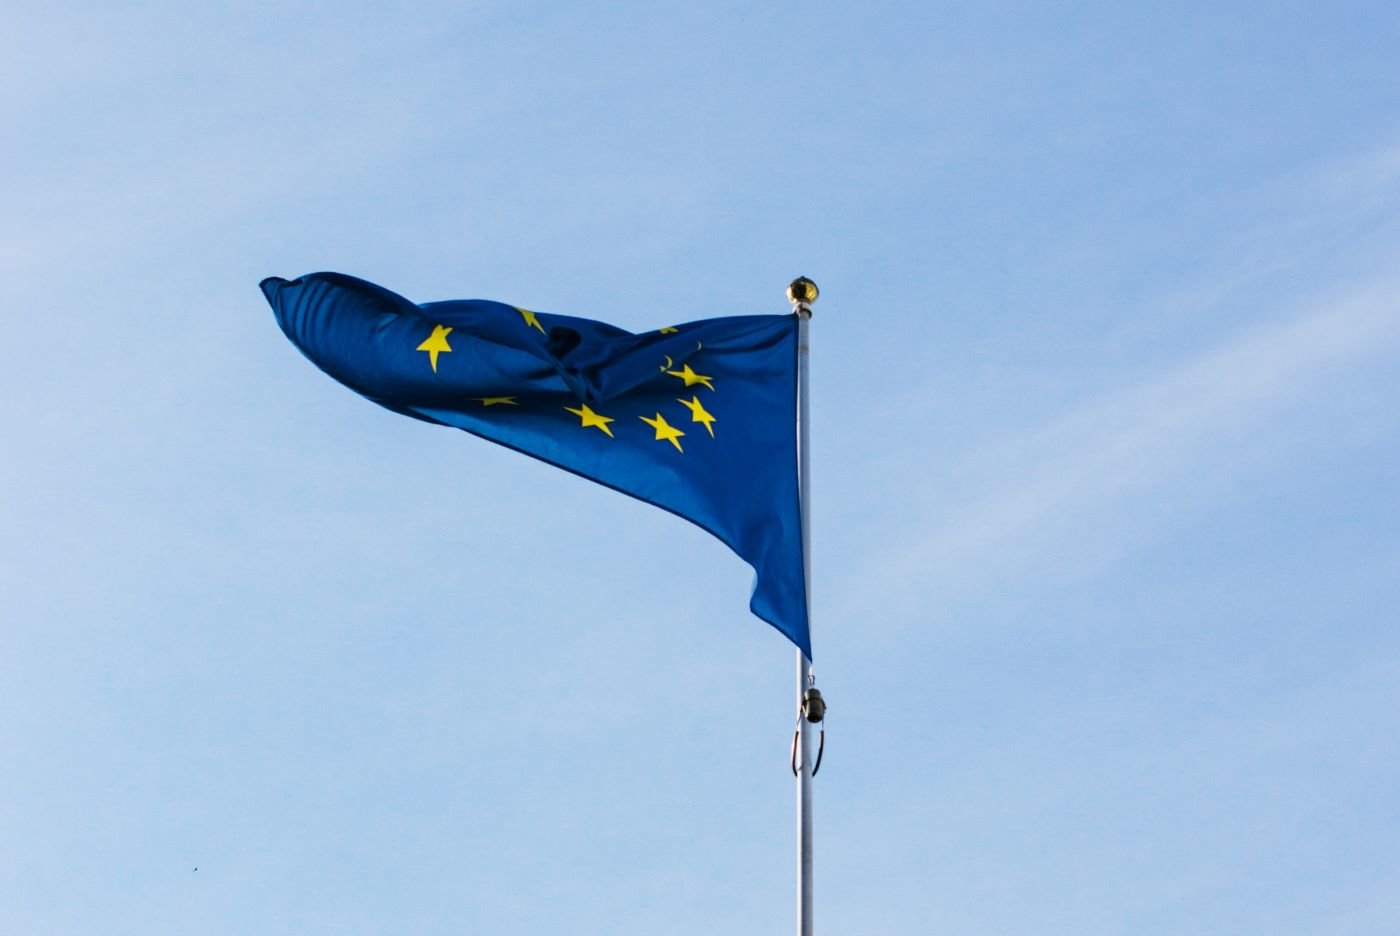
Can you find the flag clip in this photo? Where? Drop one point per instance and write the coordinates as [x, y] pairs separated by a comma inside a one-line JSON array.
[[813, 709]]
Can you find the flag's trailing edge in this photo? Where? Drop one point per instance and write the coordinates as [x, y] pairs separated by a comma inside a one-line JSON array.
[[698, 419]]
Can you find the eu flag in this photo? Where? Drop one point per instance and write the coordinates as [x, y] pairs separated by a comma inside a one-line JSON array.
[[699, 418]]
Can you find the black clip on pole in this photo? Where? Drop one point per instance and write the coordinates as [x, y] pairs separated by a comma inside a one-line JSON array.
[[813, 709]]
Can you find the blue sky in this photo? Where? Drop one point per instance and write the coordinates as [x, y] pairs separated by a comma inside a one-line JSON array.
[[1105, 445]]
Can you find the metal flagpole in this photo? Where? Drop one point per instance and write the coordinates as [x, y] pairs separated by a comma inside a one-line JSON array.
[[811, 708]]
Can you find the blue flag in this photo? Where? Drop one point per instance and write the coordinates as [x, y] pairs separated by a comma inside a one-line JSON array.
[[699, 419]]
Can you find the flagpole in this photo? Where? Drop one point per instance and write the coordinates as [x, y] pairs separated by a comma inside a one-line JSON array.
[[802, 293]]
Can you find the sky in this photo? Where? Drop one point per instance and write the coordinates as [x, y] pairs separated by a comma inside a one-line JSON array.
[[1106, 515]]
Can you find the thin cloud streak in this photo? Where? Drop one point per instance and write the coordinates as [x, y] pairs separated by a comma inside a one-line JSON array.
[[1146, 436], [1078, 488]]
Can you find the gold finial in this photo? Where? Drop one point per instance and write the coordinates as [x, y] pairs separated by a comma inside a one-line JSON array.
[[802, 292]]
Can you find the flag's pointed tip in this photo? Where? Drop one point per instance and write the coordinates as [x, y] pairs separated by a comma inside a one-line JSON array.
[[277, 281], [270, 284]]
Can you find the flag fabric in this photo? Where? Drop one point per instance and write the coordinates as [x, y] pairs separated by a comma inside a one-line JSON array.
[[696, 418]]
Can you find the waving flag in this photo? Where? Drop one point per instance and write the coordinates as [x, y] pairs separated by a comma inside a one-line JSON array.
[[698, 418]]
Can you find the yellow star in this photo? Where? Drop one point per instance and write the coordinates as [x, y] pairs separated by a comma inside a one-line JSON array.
[[435, 344], [530, 319], [668, 330], [698, 414], [589, 418], [690, 377], [664, 430], [495, 400]]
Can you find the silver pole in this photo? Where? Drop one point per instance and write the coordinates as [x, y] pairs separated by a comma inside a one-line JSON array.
[[804, 806], [801, 306]]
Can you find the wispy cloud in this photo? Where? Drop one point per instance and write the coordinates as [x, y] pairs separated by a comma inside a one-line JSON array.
[[1144, 436], [1080, 482]]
